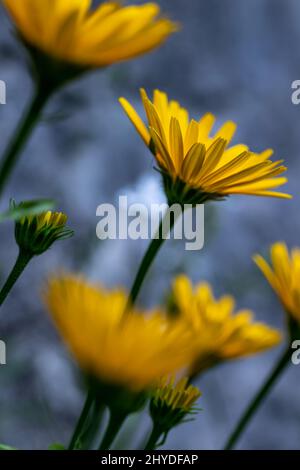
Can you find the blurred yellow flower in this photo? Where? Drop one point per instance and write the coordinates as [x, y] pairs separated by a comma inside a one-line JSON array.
[[220, 334], [187, 152], [132, 350], [70, 30], [283, 274]]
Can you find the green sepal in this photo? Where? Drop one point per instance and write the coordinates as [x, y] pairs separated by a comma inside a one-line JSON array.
[[293, 327], [48, 72], [117, 398], [179, 192]]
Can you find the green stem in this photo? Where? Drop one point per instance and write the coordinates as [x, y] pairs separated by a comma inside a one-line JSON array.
[[92, 427], [20, 264], [258, 399], [22, 134], [153, 438], [115, 423], [148, 259], [81, 422], [153, 249]]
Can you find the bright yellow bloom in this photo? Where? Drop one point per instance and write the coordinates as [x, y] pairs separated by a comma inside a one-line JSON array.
[[188, 152], [70, 30], [220, 334], [178, 395], [132, 350], [284, 276]]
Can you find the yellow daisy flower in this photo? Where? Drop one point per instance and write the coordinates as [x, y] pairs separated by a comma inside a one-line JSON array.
[[283, 274], [220, 334], [132, 350], [197, 165], [71, 31]]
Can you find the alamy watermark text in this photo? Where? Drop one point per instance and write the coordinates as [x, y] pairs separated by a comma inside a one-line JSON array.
[[138, 221]]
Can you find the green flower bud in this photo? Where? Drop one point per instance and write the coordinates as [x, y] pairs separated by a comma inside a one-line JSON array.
[[36, 234], [171, 403]]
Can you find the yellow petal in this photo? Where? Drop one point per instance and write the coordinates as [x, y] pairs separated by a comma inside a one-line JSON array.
[[213, 156], [163, 152], [193, 162], [136, 120], [191, 136], [206, 124], [176, 143], [266, 270], [227, 169], [227, 131]]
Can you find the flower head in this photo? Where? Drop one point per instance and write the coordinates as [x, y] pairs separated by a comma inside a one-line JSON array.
[[171, 402], [36, 233], [197, 165], [132, 351], [283, 275], [71, 31], [220, 334], [173, 395]]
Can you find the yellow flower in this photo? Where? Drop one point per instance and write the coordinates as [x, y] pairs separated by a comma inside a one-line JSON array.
[[191, 157], [284, 276], [36, 233], [176, 396], [132, 350], [220, 334], [171, 403], [71, 31]]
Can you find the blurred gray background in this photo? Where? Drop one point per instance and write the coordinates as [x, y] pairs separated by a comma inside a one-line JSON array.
[[235, 58]]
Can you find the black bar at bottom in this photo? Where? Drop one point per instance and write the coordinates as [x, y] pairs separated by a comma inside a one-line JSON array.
[[136, 459]]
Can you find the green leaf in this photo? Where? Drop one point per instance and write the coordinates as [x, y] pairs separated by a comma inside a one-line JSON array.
[[57, 446], [4, 447], [27, 208]]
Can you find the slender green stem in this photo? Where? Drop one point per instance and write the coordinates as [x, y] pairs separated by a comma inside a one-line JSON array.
[[20, 264], [22, 134], [153, 438], [92, 426], [258, 399], [148, 259], [149, 256], [81, 422], [115, 423], [143, 269]]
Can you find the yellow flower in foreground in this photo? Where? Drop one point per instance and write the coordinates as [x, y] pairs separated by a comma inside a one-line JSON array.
[[132, 350], [70, 30], [191, 157], [284, 276], [220, 334]]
